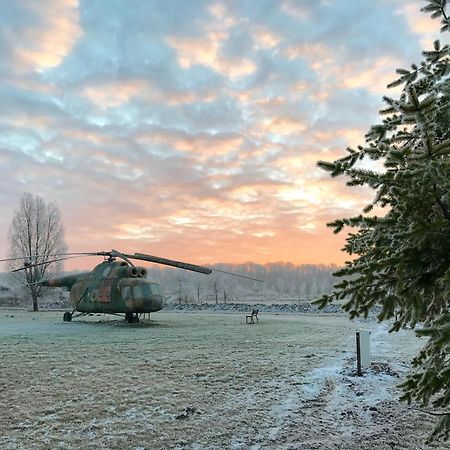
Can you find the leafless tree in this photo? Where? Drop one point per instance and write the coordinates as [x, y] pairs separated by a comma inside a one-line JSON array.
[[36, 233], [215, 287], [198, 289], [180, 291]]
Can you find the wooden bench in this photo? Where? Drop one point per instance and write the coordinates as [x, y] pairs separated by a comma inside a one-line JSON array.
[[250, 318]]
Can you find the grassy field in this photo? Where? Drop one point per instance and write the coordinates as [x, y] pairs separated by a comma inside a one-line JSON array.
[[198, 381]]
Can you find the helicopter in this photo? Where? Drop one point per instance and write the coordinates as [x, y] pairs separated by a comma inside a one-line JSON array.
[[116, 285]]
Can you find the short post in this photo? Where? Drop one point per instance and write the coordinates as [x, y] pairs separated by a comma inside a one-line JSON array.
[[362, 351], [358, 355]]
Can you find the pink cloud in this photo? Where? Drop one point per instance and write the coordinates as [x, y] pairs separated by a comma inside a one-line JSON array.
[[205, 51], [265, 38], [46, 46], [420, 23]]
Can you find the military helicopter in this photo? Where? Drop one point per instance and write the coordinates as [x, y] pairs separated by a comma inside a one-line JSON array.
[[116, 285]]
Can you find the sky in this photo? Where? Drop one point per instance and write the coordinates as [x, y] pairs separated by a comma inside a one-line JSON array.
[[192, 129]]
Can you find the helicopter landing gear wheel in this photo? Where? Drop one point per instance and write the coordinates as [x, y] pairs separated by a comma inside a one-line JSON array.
[[67, 317], [131, 318]]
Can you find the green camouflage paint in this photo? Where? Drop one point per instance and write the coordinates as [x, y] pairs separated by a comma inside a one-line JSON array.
[[111, 287]]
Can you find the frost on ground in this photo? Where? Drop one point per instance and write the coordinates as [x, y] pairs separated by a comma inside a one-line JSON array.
[[202, 381]]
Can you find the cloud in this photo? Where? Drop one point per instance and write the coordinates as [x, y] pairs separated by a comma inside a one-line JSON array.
[[114, 94], [206, 51], [51, 37], [421, 24], [192, 129], [265, 38]]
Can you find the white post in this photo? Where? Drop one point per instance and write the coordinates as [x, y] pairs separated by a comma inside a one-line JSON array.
[[362, 350]]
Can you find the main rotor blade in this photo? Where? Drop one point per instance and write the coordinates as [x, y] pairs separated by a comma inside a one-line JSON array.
[[127, 257], [186, 266], [237, 275], [170, 262], [30, 266], [48, 255]]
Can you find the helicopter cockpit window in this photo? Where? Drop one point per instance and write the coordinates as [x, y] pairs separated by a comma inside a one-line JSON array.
[[154, 289], [138, 291]]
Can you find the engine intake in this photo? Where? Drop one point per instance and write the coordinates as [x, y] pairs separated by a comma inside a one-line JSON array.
[[133, 272]]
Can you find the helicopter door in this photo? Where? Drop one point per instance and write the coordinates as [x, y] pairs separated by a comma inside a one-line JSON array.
[[104, 294]]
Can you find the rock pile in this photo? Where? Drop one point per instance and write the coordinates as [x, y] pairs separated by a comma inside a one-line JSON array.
[[245, 307]]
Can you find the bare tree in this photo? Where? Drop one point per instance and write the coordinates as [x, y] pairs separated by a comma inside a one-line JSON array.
[[228, 291], [179, 290], [215, 286], [198, 289], [36, 233]]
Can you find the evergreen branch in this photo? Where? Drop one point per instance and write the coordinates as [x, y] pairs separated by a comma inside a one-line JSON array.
[[438, 414], [410, 76], [443, 207]]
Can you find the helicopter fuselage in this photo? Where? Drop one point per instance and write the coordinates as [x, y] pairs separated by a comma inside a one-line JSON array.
[[111, 287]]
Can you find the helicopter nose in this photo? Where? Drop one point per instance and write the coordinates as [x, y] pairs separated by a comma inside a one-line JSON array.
[[157, 302]]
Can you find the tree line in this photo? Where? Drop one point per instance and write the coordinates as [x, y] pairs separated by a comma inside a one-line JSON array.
[[280, 281]]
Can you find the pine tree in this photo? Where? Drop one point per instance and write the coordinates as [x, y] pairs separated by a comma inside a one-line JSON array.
[[402, 255]]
